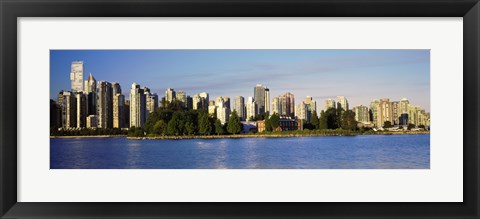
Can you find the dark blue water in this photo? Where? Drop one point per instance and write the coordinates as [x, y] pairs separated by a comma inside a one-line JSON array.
[[352, 152]]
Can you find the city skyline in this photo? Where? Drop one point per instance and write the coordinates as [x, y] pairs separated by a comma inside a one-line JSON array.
[[374, 74]]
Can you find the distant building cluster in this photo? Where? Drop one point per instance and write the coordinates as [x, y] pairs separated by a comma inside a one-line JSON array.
[[92, 104]]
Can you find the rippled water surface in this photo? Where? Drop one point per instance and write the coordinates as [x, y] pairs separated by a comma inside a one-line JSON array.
[[352, 152]]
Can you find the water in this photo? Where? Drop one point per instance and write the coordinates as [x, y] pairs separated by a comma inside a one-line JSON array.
[[336, 152]]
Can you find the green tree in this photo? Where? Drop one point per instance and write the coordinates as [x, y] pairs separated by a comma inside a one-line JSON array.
[[152, 119], [132, 132], [387, 124], [268, 125], [218, 127], [348, 120], [410, 126], [190, 128], [160, 127], [322, 123], [274, 121], [234, 125], [173, 126], [204, 125], [314, 119], [333, 118]]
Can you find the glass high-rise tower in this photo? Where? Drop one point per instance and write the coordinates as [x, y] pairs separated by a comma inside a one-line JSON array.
[[76, 76]]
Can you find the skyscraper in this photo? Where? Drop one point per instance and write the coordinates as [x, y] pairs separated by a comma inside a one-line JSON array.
[[361, 114], [312, 104], [170, 95], [212, 108], [118, 111], [137, 106], [239, 107], [288, 105], [76, 76], [374, 112], [189, 103], [126, 113], [404, 106], [206, 99], [91, 91], [301, 111], [55, 115], [116, 89], [330, 103], [68, 106], [396, 113], [226, 102], [403, 111], [250, 106], [104, 104], [223, 112], [259, 96], [267, 100], [384, 112], [277, 105], [342, 103], [182, 97], [197, 102], [81, 99], [152, 102]]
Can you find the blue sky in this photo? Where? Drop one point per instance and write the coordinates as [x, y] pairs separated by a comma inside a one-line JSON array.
[[360, 75]]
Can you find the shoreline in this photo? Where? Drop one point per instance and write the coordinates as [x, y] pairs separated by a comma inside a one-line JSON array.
[[267, 136], [242, 136], [88, 136]]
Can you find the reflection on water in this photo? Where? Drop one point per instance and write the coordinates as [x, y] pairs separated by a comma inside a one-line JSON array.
[[353, 152], [134, 156]]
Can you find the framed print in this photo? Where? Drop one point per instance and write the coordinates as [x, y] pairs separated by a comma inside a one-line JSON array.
[[319, 109]]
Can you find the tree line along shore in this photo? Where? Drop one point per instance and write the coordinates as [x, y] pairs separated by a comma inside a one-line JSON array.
[[286, 134], [174, 121]]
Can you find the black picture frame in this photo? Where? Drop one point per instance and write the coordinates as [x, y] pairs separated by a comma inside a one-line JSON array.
[[10, 10]]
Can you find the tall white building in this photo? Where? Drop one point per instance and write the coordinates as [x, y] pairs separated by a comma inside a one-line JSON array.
[[223, 112], [76, 76], [342, 103], [404, 106], [205, 96], [330, 103], [384, 112], [137, 106], [170, 95], [197, 102], [239, 107], [250, 106], [151, 101], [277, 105], [361, 114], [301, 111], [182, 97]]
